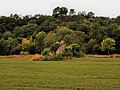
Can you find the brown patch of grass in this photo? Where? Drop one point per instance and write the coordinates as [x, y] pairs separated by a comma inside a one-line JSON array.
[[36, 56], [17, 56], [29, 57], [23, 56]]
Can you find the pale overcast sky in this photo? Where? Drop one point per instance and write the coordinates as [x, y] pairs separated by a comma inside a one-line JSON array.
[[109, 8]]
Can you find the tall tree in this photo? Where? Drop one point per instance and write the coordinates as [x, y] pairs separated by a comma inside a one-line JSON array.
[[60, 12], [72, 12], [39, 41], [90, 14]]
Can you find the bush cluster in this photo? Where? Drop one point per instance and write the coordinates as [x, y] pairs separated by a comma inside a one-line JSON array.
[[24, 53], [57, 57]]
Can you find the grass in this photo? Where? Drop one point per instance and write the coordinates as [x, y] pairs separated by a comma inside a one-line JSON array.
[[84, 73]]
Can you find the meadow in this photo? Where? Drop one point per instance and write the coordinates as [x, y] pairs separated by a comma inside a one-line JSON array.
[[75, 74]]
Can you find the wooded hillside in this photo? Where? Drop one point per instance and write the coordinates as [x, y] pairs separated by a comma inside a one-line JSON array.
[[33, 34]]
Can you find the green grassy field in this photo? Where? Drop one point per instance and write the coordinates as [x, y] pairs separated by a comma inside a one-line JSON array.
[[84, 73]]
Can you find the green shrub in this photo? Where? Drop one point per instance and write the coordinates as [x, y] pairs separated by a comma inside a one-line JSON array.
[[75, 49], [82, 54], [68, 54], [54, 47], [46, 51], [57, 57], [76, 54], [24, 53]]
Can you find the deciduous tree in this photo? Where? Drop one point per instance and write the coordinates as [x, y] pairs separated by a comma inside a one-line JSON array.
[[108, 45]]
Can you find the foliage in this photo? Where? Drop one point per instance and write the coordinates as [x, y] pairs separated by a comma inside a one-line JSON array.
[[61, 32], [28, 46], [39, 41], [24, 53], [18, 49], [90, 14], [68, 39], [45, 58], [68, 53], [7, 35], [75, 49], [47, 26], [82, 54], [54, 47], [42, 31], [72, 12], [60, 12], [56, 57], [117, 20], [45, 51], [50, 39], [92, 46], [3, 47], [108, 45], [25, 30], [74, 26]]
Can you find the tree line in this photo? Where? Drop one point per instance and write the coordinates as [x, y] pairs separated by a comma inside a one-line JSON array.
[[34, 34]]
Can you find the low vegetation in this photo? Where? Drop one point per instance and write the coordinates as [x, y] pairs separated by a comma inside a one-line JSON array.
[[84, 73]]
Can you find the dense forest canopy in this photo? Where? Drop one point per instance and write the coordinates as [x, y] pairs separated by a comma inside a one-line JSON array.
[[34, 34]]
